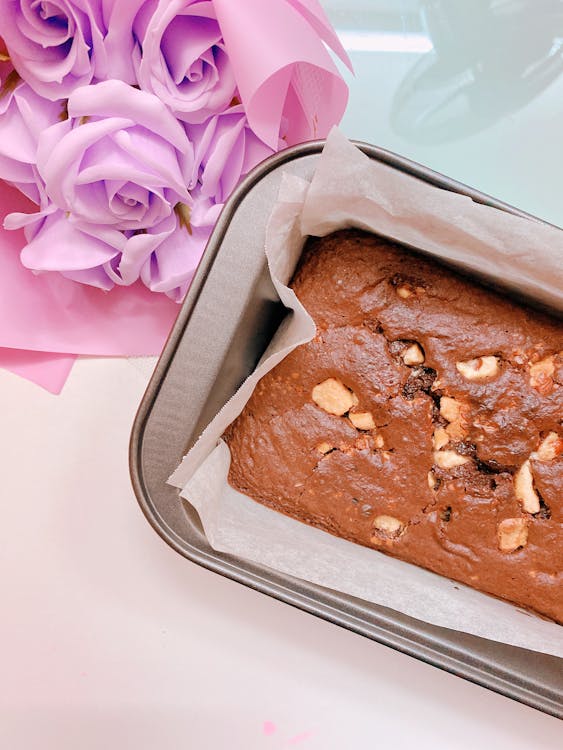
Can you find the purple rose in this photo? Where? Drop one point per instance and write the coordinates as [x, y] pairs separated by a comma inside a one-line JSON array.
[[122, 161], [172, 264], [117, 176], [182, 59], [164, 257], [226, 148], [52, 43], [23, 115]]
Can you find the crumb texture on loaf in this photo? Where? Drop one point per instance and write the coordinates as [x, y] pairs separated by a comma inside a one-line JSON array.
[[424, 420]]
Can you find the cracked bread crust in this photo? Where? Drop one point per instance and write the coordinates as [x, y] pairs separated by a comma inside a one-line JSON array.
[[457, 388]]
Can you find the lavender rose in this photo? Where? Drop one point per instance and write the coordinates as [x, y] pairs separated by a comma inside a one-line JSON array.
[[182, 59], [117, 176], [133, 194], [121, 161], [226, 148], [52, 43], [164, 257], [23, 115]]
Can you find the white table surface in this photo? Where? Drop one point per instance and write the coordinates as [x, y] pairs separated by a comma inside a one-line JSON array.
[[111, 640]]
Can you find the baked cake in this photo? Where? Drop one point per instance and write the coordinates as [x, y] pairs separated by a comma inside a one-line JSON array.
[[423, 420]]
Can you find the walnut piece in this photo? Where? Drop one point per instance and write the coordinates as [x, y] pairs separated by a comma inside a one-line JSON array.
[[432, 482], [405, 291], [449, 459], [379, 442], [362, 420], [541, 375], [455, 430], [413, 355], [333, 397], [440, 438], [450, 409], [324, 447], [388, 525], [550, 448], [453, 411], [480, 368], [524, 488], [512, 534]]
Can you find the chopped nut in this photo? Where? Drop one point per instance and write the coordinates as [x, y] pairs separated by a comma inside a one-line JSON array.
[[333, 397], [440, 438], [324, 447], [541, 375], [480, 368], [550, 448], [455, 430], [388, 525], [362, 420], [449, 459], [404, 291], [413, 355], [450, 409], [512, 533], [431, 480], [524, 488], [379, 442]]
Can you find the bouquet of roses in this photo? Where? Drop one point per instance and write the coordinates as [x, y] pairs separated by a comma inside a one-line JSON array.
[[128, 124]]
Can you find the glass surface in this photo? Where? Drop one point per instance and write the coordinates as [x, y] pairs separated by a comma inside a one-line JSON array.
[[471, 88]]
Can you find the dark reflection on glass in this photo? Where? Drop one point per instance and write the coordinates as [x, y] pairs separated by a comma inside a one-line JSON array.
[[490, 58]]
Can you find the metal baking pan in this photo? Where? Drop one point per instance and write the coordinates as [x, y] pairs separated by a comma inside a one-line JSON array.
[[223, 327]]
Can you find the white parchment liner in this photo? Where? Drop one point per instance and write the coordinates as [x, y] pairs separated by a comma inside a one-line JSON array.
[[349, 189]]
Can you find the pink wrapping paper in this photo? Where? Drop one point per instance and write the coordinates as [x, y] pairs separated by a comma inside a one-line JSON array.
[[43, 368], [280, 67]]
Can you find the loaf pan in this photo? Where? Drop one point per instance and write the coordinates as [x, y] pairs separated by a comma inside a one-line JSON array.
[[223, 327]]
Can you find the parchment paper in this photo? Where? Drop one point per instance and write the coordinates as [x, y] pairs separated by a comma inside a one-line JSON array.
[[349, 189]]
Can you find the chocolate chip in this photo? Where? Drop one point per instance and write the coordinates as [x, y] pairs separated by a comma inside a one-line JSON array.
[[492, 467], [544, 511], [446, 513], [466, 449], [420, 381]]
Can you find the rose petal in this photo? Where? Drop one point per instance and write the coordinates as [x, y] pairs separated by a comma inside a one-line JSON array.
[[58, 159], [96, 277], [114, 57], [54, 247], [114, 99], [183, 43], [175, 260]]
